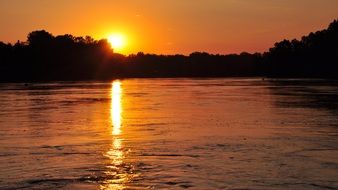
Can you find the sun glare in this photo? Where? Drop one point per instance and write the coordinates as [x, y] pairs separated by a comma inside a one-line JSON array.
[[117, 41]]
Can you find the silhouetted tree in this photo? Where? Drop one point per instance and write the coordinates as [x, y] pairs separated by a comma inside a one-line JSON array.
[[315, 55], [39, 38]]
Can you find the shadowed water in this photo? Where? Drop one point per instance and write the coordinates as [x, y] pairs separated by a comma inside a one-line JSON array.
[[170, 134]]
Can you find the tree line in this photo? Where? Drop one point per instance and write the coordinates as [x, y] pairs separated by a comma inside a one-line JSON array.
[[44, 57], [315, 55]]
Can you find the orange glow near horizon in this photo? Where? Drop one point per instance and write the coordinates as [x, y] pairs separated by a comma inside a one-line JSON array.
[[171, 27]]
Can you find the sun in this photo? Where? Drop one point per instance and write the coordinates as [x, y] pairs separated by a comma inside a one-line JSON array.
[[117, 41]]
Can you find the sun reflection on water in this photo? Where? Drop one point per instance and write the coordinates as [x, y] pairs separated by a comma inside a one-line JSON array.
[[118, 172], [116, 107]]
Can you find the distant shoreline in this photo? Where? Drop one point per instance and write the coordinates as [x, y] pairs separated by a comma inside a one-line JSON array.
[[173, 78], [45, 57]]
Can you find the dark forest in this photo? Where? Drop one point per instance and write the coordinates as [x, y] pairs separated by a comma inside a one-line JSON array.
[[44, 57]]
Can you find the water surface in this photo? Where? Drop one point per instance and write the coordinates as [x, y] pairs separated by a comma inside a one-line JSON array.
[[170, 134]]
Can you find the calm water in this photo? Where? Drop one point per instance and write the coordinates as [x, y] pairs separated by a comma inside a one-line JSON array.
[[170, 134]]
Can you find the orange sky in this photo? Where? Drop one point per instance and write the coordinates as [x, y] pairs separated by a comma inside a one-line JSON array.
[[171, 26]]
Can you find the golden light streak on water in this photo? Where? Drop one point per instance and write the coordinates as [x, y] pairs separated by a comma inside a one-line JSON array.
[[116, 175], [116, 107]]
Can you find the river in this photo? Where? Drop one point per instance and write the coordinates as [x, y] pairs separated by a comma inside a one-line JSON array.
[[170, 134]]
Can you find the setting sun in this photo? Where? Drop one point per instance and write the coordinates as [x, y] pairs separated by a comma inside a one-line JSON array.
[[117, 41]]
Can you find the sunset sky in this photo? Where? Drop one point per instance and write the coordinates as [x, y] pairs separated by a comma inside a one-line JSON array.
[[171, 26]]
